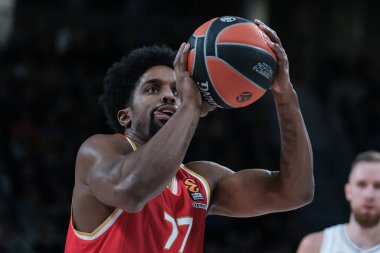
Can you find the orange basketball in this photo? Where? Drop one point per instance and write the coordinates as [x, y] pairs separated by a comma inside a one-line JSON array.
[[231, 62]]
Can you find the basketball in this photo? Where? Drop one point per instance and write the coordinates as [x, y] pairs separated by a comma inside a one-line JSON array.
[[231, 62]]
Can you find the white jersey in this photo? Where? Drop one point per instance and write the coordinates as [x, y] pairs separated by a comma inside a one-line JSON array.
[[336, 240]]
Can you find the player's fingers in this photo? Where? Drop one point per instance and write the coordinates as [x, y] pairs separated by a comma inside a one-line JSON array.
[[270, 32], [178, 56], [281, 56], [185, 53]]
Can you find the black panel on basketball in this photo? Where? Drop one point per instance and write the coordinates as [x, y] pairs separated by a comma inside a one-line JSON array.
[[215, 28], [201, 76], [252, 62]]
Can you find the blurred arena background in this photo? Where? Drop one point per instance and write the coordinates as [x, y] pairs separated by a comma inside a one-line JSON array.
[[54, 54]]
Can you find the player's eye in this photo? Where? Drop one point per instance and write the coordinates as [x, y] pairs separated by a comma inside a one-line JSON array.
[[151, 90], [175, 92]]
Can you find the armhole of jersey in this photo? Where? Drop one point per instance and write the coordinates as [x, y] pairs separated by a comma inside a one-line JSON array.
[[100, 229], [326, 240], [202, 180]]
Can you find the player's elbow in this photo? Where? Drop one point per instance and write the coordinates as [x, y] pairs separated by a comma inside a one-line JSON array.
[[308, 194], [306, 197], [293, 197], [303, 197]]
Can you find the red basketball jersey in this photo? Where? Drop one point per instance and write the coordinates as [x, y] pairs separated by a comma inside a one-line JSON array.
[[174, 221]]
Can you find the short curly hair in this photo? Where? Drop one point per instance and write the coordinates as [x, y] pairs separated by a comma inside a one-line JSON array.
[[366, 156], [121, 79]]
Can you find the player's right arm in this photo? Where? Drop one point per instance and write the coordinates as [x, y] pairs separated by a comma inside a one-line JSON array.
[[109, 175], [311, 243]]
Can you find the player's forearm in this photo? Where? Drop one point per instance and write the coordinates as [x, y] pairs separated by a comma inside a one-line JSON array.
[[168, 146], [149, 170], [296, 164]]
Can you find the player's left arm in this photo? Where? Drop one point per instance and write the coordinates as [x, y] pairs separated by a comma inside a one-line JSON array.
[[255, 191]]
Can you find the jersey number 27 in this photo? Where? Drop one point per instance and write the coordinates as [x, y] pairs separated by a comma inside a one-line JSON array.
[[182, 221]]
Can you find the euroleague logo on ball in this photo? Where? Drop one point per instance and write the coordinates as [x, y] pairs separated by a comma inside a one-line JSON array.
[[227, 19], [244, 96]]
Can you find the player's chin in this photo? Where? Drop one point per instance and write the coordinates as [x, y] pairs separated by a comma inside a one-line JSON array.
[[160, 122]]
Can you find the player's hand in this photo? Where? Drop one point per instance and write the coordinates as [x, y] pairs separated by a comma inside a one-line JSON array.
[[281, 83], [206, 108], [186, 87]]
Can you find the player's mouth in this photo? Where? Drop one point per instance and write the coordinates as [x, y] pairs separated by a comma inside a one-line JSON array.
[[164, 112], [368, 208]]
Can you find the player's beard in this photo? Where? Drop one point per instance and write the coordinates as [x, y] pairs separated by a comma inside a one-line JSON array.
[[154, 125], [367, 220]]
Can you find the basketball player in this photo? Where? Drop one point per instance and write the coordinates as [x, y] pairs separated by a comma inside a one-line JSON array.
[[362, 233], [133, 194]]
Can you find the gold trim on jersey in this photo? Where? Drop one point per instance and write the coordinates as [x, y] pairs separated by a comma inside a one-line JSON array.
[[201, 179], [134, 147], [106, 224], [173, 185]]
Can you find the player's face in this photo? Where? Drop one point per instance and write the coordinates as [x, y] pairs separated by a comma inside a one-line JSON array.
[[155, 100], [363, 193]]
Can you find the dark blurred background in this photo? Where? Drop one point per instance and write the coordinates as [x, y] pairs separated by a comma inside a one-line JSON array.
[[54, 55]]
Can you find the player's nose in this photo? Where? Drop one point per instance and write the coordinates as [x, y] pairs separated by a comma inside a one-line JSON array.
[[168, 96], [369, 192]]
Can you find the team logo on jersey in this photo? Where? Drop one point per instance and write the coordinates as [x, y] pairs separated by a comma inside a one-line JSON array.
[[193, 189]]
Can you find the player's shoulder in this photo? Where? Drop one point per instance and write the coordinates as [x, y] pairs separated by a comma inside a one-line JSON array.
[[207, 168], [103, 143], [311, 243], [211, 171], [100, 149]]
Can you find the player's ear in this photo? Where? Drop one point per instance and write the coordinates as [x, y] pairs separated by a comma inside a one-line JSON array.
[[347, 191], [124, 117]]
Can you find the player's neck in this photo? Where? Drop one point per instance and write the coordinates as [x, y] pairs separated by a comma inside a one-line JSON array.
[[363, 237], [134, 137]]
